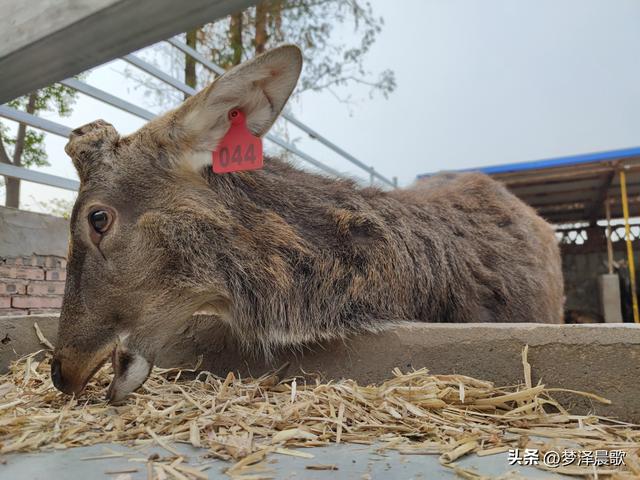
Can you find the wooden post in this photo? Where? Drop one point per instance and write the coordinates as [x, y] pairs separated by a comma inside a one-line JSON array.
[[607, 209], [627, 232]]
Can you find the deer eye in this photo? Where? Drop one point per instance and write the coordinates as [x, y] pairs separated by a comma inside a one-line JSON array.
[[100, 221]]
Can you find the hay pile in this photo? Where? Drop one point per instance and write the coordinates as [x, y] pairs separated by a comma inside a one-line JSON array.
[[243, 420]]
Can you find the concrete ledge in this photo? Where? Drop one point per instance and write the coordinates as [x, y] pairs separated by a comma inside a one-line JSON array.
[[602, 359], [25, 233], [54, 39]]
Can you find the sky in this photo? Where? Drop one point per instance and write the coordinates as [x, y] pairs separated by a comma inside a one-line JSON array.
[[478, 83]]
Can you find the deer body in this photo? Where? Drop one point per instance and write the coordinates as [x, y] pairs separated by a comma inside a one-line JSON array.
[[283, 256], [307, 257]]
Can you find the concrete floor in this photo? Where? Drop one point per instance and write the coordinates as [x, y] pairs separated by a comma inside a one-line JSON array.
[[352, 461]]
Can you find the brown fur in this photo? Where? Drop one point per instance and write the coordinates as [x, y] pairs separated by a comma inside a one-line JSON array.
[[286, 257]]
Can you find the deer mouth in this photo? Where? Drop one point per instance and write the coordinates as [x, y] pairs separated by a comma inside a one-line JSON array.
[[130, 371], [110, 389], [94, 371]]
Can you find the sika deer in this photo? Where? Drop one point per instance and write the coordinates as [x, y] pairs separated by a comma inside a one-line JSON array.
[[282, 256]]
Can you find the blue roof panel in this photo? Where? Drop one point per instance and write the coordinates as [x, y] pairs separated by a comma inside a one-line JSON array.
[[552, 162]]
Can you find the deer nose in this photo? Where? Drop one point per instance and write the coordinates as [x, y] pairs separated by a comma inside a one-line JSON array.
[[56, 375], [59, 381]]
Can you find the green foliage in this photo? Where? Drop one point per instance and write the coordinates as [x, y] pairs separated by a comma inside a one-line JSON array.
[[24, 146], [34, 153], [54, 98], [60, 207]]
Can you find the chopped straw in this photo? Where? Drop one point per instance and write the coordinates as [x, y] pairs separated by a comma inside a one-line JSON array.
[[246, 420]]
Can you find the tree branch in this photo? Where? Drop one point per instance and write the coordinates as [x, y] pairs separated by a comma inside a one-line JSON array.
[[22, 131], [4, 156], [189, 62], [235, 38], [340, 80], [260, 35]]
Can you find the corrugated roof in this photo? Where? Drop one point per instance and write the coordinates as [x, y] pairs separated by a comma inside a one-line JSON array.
[[573, 189]]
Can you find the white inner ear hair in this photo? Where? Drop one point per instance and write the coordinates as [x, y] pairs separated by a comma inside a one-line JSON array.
[[208, 122], [255, 105]]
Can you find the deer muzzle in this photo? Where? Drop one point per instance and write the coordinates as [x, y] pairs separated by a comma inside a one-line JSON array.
[[71, 370]]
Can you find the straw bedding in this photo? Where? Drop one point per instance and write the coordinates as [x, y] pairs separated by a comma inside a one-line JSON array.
[[243, 420]]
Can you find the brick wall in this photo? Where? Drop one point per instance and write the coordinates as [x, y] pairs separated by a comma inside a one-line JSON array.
[[30, 285]]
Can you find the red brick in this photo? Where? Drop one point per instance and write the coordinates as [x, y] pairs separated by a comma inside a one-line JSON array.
[[36, 287], [5, 301], [29, 273], [56, 274], [13, 261], [13, 286], [33, 261], [17, 261], [26, 301], [55, 262], [6, 312]]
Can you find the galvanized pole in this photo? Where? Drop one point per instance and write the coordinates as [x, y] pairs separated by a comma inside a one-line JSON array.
[[607, 209], [627, 234]]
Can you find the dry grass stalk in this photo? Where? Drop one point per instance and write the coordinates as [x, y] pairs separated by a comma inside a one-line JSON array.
[[321, 467], [245, 420]]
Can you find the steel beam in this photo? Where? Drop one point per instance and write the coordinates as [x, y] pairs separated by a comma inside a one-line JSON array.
[[38, 177], [33, 121], [43, 41], [592, 212], [159, 74], [105, 97]]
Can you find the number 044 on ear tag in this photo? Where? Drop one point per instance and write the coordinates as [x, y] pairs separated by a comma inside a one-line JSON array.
[[239, 149]]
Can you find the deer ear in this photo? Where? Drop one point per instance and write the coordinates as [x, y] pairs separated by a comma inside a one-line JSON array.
[[259, 87]]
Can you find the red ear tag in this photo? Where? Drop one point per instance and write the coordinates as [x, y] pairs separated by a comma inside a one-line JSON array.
[[239, 149]]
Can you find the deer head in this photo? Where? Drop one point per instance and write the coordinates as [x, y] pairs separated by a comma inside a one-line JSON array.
[[136, 266]]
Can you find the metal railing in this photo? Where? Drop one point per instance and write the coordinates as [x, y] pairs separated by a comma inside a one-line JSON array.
[[579, 234], [105, 97]]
